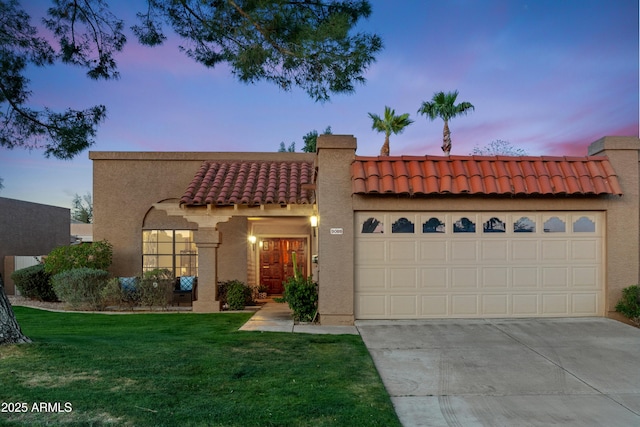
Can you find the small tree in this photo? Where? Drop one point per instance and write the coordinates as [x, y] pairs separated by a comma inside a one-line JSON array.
[[498, 148], [290, 149], [311, 139], [82, 208]]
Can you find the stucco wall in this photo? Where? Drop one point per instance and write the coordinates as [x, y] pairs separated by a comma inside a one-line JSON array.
[[30, 229], [335, 200], [623, 216], [127, 184], [335, 210]]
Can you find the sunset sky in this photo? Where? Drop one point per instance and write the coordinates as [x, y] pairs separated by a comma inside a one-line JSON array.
[[549, 76]]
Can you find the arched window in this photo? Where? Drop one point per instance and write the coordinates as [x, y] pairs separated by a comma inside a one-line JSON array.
[[554, 225], [524, 225], [464, 225], [372, 225], [434, 225], [494, 225], [584, 225], [402, 225]]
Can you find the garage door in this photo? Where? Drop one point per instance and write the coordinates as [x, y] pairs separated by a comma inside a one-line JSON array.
[[470, 264]]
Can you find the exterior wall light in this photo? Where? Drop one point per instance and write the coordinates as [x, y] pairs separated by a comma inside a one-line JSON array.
[[314, 220], [252, 239]]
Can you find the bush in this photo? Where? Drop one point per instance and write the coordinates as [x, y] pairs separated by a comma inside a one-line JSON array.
[[115, 294], [156, 288], [81, 287], [629, 304], [235, 293], [34, 283], [302, 295], [96, 255]]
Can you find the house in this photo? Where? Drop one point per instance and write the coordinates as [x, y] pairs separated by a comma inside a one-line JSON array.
[[29, 229], [397, 237]]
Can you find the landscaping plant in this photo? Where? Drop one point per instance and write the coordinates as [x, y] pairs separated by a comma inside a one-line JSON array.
[[629, 304], [34, 283], [301, 293], [81, 288], [156, 288], [238, 295], [96, 255]]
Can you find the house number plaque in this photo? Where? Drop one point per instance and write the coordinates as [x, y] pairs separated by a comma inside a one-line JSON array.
[[336, 231]]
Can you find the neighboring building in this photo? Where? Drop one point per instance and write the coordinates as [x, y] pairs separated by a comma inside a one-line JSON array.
[[81, 232], [29, 229], [397, 237]]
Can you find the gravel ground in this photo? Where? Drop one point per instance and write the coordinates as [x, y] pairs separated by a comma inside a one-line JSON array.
[[60, 306], [19, 300]]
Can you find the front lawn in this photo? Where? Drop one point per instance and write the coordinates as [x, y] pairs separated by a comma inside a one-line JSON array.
[[184, 369]]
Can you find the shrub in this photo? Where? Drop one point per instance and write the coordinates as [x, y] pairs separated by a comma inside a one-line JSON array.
[[629, 304], [96, 255], [115, 293], [302, 296], [34, 283], [235, 293], [156, 288], [81, 287]]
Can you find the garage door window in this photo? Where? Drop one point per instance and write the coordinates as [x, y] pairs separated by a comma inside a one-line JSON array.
[[372, 225], [494, 225], [464, 225], [554, 225], [524, 225], [402, 225], [434, 225], [584, 225]]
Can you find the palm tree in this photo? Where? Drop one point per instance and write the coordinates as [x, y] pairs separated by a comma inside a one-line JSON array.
[[443, 105], [390, 124]]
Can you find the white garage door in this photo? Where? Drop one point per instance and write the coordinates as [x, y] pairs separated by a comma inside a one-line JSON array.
[[469, 264]]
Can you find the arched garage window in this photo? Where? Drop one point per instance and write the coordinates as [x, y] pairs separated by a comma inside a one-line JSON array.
[[584, 225], [464, 225], [372, 225], [434, 225], [494, 225], [524, 225], [554, 225], [173, 250], [402, 225]]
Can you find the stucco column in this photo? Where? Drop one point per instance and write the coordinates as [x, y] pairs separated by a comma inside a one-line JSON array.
[[335, 229], [623, 217], [207, 240]]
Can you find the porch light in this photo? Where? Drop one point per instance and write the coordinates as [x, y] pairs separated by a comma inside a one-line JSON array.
[[314, 220], [252, 239]]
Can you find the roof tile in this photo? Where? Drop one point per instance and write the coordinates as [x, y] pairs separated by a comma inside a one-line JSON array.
[[250, 183], [499, 175]]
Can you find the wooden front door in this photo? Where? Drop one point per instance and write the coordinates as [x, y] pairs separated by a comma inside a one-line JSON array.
[[276, 264]]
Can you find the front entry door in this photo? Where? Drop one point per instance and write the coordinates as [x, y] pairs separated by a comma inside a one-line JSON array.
[[276, 264]]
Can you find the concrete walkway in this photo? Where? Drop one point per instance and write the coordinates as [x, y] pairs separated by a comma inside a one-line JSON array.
[[276, 317]]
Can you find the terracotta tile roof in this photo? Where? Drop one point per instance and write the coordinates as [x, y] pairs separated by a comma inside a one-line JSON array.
[[489, 175], [250, 183]]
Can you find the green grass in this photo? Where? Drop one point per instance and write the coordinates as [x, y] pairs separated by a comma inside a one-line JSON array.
[[189, 370]]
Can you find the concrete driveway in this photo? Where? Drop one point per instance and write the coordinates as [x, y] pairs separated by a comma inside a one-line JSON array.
[[521, 372]]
